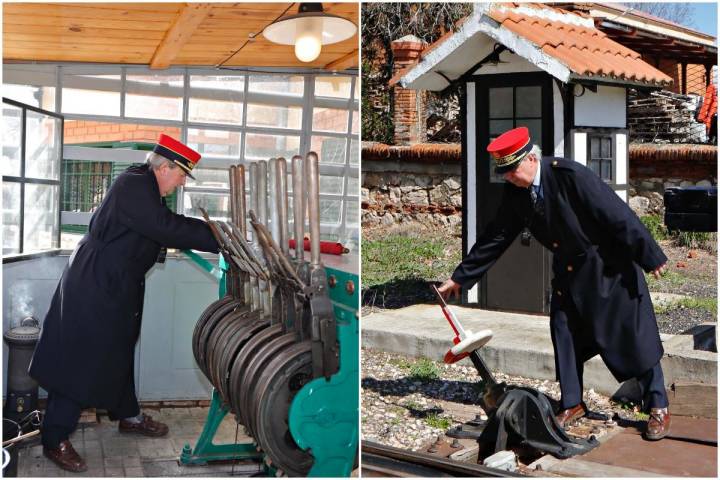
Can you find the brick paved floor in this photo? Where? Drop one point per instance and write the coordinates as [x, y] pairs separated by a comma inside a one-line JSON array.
[[109, 453]]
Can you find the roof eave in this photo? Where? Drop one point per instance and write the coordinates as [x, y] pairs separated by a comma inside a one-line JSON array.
[[617, 81], [486, 25]]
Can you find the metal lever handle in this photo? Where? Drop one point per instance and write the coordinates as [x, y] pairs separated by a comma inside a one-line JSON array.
[[313, 177]]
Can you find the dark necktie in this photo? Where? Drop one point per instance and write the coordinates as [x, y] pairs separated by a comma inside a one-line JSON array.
[[536, 199]]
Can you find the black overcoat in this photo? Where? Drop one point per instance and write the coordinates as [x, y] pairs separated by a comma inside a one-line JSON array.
[[599, 248], [87, 344]]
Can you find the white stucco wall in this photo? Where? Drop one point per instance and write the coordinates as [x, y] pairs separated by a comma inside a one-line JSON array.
[[604, 108]]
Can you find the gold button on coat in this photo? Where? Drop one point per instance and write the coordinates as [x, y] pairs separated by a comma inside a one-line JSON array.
[[555, 245], [559, 293], [569, 268]]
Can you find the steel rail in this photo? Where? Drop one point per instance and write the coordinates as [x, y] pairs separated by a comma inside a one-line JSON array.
[[375, 453]]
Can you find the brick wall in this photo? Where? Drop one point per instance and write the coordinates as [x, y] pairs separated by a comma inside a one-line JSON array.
[[409, 111], [80, 131]]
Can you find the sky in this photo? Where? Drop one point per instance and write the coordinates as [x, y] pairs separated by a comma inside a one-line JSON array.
[[705, 17]]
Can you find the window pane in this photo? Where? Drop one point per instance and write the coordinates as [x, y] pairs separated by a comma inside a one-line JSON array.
[[355, 122], [353, 187], [528, 101], [11, 218], [501, 102], [216, 99], [594, 147], [11, 140], [352, 213], [331, 184], [354, 152], [278, 84], [594, 165], [330, 149], [218, 83], [154, 96], [215, 111], [215, 143], [217, 205], [498, 127], [534, 127], [42, 155], [41, 97], [273, 116], [91, 94], [330, 120], [335, 87], [210, 178], [41, 217], [330, 211], [606, 148], [263, 147], [356, 96], [606, 166]]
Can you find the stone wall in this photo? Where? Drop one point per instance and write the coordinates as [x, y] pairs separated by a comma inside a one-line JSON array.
[[423, 192]]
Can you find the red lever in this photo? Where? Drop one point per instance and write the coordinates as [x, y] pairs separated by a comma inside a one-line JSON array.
[[333, 248]]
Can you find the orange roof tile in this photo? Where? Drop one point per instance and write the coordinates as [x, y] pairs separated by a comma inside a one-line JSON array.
[[569, 37], [585, 50]]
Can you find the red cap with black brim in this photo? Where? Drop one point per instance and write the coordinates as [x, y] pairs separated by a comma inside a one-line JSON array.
[[509, 149], [178, 153]]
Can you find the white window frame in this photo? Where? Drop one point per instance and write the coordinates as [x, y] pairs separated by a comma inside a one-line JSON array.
[[23, 75]]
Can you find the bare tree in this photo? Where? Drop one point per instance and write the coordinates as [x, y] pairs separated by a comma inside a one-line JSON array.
[[680, 13]]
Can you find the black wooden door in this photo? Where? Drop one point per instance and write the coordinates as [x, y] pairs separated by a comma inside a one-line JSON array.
[[520, 280]]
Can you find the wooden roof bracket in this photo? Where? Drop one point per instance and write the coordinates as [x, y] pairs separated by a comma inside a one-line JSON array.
[[493, 56]]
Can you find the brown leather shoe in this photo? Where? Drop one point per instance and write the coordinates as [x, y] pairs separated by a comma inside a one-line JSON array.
[[66, 457], [148, 427], [570, 414], [658, 426]]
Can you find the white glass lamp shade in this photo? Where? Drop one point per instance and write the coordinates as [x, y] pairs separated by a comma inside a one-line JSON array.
[[309, 31]]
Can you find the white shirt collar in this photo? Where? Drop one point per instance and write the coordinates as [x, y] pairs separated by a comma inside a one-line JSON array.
[[536, 180]]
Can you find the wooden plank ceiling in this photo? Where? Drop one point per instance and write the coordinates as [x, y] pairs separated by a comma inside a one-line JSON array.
[[161, 35]]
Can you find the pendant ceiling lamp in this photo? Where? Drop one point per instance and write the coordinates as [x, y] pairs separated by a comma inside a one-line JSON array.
[[309, 30]]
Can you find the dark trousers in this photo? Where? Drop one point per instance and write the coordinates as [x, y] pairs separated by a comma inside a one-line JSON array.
[[62, 415], [569, 366]]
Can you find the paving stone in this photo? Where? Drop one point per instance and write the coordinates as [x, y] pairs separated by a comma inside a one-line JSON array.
[[113, 462], [131, 462], [157, 448], [90, 446], [119, 447], [114, 472], [161, 468], [134, 472]]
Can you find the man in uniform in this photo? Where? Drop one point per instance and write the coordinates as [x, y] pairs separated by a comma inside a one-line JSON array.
[[600, 302], [84, 357]]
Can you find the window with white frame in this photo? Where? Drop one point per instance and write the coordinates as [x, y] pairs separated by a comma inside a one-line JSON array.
[[230, 117], [32, 146]]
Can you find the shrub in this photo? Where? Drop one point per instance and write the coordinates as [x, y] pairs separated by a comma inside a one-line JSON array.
[[654, 223]]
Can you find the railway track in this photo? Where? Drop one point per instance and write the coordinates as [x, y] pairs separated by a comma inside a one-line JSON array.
[[689, 451], [384, 461]]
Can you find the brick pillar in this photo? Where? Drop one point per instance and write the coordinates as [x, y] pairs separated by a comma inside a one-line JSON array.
[[409, 105]]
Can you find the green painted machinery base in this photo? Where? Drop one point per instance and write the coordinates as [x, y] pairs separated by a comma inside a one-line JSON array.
[[323, 415], [206, 451]]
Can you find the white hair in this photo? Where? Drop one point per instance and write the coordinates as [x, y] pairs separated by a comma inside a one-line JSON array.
[[155, 160], [537, 151]]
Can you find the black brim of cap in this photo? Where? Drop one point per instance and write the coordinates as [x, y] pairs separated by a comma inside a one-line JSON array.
[[184, 169], [508, 168]]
